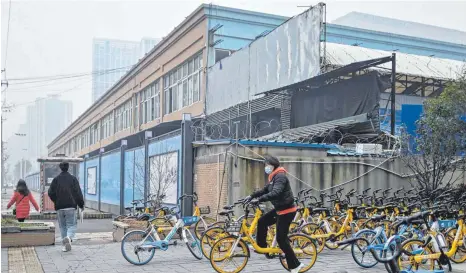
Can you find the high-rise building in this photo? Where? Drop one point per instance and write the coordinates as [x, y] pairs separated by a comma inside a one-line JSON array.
[[111, 59], [46, 119]]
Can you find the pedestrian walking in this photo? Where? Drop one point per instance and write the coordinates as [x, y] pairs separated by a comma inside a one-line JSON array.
[[22, 197], [67, 196]]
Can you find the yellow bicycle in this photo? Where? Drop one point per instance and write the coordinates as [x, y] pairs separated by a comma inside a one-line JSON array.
[[231, 254]]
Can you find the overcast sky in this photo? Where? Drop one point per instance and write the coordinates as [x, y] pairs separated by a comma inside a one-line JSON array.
[[55, 37]]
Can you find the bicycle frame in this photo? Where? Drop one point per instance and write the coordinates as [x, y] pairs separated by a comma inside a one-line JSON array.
[[348, 219], [163, 244], [245, 232], [450, 252]]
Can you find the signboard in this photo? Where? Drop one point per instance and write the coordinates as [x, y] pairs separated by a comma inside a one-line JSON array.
[[92, 180]]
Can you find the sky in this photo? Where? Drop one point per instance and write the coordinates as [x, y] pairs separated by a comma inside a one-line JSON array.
[[55, 37]]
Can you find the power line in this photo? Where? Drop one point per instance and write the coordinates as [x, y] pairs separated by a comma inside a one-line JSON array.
[[56, 94], [7, 33], [60, 77], [53, 83]]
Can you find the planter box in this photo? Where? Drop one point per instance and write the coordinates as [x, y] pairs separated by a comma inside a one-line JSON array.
[[28, 234]]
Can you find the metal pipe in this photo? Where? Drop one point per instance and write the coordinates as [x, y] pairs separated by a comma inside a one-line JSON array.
[[393, 93]]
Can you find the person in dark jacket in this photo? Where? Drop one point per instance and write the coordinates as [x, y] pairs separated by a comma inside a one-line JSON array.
[[278, 192], [67, 196]]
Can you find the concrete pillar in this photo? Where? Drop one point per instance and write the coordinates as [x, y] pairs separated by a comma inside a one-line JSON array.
[[124, 144], [187, 159], [147, 136], [101, 151]]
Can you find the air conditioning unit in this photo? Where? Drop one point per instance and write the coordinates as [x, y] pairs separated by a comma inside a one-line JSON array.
[[369, 148]]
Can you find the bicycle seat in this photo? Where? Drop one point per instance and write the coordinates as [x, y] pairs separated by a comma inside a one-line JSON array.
[[140, 208], [228, 207], [353, 206], [128, 208], [378, 217], [226, 212], [320, 210]]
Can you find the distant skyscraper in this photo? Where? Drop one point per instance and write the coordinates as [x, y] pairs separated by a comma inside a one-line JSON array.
[[111, 59], [46, 119]]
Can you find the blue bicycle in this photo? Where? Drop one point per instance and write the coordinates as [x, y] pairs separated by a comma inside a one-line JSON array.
[[377, 239], [391, 262], [138, 246]]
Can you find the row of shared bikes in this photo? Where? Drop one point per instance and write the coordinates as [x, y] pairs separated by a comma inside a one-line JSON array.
[[410, 231]]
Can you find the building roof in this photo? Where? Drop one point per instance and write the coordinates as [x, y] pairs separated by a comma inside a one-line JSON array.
[[320, 130], [415, 65], [408, 28]]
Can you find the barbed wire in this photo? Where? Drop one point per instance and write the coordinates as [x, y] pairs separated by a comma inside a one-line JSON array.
[[207, 130], [272, 130]]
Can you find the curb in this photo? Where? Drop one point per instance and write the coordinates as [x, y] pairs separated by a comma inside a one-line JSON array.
[[53, 216]]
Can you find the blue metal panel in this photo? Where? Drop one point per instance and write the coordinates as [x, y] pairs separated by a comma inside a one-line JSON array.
[[409, 116], [165, 146], [134, 175], [91, 164], [168, 145], [110, 188]]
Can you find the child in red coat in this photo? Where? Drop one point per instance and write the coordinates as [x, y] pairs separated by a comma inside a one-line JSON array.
[[21, 198]]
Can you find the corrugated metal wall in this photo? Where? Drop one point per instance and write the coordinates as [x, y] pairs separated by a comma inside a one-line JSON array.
[[288, 54]]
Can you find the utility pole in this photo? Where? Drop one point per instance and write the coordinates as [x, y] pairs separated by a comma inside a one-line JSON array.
[[5, 109]]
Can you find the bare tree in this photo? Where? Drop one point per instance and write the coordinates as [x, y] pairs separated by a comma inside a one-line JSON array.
[[163, 175], [436, 155]]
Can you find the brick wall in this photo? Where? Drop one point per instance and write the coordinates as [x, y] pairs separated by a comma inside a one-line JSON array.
[[208, 181]]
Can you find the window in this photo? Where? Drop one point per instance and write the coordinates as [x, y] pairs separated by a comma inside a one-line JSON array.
[[182, 85], [150, 102], [123, 116], [94, 131], [107, 125]]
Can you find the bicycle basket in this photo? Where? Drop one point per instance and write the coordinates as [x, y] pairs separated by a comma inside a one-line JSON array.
[[233, 227], [189, 220], [205, 210]]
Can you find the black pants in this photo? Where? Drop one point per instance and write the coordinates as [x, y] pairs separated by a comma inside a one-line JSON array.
[[283, 225], [21, 220]]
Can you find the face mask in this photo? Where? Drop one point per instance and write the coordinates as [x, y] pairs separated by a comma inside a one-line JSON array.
[[268, 169]]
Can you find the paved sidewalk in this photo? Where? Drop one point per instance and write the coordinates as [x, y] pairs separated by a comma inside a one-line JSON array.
[[108, 258]]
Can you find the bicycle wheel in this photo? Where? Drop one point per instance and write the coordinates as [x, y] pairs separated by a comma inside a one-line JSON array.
[[460, 254], [294, 227], [202, 225], [209, 237], [193, 244], [229, 255], [311, 229], [305, 251], [415, 246], [359, 251], [131, 247]]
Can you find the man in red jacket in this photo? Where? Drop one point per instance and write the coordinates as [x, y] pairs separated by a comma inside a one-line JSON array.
[[67, 196]]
